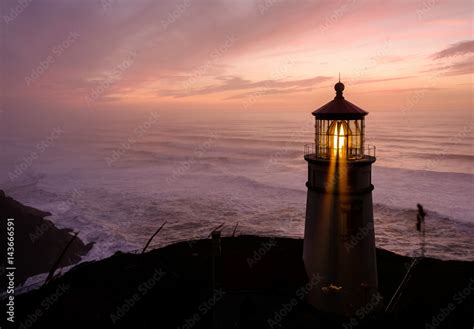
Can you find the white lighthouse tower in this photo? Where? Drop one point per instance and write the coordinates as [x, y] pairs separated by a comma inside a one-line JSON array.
[[339, 241]]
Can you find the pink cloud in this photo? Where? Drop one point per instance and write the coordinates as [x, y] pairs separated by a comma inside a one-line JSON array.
[[457, 49], [172, 39], [237, 83]]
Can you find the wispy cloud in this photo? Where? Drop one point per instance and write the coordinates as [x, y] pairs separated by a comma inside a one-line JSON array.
[[402, 90], [456, 59], [363, 81], [460, 48], [271, 92], [459, 68], [174, 38], [233, 83]]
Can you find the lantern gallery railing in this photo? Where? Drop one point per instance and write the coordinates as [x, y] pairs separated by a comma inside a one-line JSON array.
[[349, 153]]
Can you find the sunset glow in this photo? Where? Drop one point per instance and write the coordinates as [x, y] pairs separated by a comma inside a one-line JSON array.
[[237, 163], [266, 55]]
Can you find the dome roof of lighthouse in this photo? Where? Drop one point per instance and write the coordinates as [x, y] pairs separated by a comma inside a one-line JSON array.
[[339, 108]]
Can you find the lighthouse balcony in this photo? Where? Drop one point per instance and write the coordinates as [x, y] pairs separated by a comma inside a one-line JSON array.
[[348, 153]]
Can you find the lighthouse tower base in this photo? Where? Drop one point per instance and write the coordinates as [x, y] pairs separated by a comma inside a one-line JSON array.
[[339, 240]]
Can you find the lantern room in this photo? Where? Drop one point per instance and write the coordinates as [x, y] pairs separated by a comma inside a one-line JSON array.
[[339, 129]]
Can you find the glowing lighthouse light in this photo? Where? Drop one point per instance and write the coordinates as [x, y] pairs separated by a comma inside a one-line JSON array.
[[339, 139]]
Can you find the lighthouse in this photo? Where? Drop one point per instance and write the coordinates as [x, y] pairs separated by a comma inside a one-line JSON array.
[[339, 240]]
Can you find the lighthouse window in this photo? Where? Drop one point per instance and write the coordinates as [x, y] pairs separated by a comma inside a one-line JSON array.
[[322, 139], [356, 139]]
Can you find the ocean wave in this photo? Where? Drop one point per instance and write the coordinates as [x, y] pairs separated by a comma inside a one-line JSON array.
[[443, 155], [446, 237]]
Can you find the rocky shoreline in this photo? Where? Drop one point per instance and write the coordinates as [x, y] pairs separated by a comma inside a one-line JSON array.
[[258, 282], [38, 242]]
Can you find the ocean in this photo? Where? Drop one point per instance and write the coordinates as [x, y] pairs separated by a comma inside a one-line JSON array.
[[115, 178]]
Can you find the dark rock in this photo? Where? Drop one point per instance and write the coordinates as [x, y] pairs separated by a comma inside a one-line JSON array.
[[38, 242], [171, 288]]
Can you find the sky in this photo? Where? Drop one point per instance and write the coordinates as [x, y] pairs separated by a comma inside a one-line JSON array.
[[68, 55]]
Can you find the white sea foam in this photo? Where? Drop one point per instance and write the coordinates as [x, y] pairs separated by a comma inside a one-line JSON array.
[[251, 172]]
